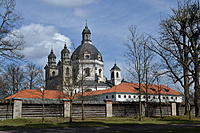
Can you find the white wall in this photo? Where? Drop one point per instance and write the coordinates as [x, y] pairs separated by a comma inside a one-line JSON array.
[[134, 97]]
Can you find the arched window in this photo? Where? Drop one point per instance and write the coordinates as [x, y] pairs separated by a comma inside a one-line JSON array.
[[87, 72], [67, 71], [53, 73], [100, 72], [112, 75], [117, 75]]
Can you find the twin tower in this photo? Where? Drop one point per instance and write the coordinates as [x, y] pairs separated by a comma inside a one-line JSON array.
[[83, 70]]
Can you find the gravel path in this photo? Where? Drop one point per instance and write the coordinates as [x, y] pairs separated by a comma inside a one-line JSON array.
[[108, 129]]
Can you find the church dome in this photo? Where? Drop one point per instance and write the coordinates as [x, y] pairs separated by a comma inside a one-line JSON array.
[[83, 50], [86, 30], [51, 55], [65, 50]]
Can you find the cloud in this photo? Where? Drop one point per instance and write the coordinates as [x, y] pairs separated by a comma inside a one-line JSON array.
[[69, 3], [80, 12], [39, 40]]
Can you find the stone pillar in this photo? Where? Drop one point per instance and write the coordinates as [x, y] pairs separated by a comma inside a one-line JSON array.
[[143, 108], [67, 108], [108, 107], [173, 111], [17, 108]]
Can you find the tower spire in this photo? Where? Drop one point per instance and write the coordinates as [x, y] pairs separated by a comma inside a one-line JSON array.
[[86, 23]]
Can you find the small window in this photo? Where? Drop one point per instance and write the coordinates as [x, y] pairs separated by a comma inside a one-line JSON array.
[[67, 71], [124, 96], [144, 96], [163, 97], [153, 89], [106, 97], [53, 73], [134, 96], [87, 72], [100, 72], [119, 96], [87, 57], [137, 89], [117, 75], [167, 90], [112, 96], [172, 97], [129, 96], [112, 75], [154, 97], [99, 56]]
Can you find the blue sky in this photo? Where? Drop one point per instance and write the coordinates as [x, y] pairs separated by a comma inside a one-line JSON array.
[[49, 23]]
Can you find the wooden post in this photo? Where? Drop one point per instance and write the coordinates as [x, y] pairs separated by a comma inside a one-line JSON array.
[[17, 108], [108, 107]]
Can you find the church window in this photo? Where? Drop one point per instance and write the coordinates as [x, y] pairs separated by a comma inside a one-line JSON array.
[[86, 37], [87, 72], [112, 75], [87, 56], [117, 75], [99, 56], [100, 72], [67, 71], [53, 73]]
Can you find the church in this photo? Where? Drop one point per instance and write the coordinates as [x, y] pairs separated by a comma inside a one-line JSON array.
[[79, 71]]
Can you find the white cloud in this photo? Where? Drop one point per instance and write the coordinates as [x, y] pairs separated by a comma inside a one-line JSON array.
[[80, 12], [69, 3], [39, 40]]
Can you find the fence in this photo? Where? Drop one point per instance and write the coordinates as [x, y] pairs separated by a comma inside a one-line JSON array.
[[16, 108]]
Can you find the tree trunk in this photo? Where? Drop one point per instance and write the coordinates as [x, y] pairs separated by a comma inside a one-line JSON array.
[[70, 118], [197, 86], [83, 115]]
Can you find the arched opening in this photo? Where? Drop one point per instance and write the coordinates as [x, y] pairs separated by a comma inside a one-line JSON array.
[[112, 75], [67, 71], [87, 72], [53, 73], [117, 74]]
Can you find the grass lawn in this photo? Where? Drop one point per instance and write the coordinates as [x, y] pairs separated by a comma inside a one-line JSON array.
[[77, 122]]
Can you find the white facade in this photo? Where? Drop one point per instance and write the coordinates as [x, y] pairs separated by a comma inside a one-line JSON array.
[[83, 69], [123, 97]]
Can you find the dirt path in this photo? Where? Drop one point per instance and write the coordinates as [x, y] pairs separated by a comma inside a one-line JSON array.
[[108, 129]]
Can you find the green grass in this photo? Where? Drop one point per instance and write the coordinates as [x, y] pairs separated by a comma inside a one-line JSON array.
[[77, 122]]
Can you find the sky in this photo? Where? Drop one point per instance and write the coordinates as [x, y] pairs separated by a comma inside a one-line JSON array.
[[49, 24]]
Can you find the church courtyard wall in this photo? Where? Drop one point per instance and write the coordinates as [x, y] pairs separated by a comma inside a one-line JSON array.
[[17, 108]]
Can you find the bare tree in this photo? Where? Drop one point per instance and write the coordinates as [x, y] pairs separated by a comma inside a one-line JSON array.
[[139, 60], [178, 46], [13, 78], [11, 42], [34, 76]]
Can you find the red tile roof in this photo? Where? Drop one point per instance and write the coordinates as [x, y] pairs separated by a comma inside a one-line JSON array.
[[37, 94], [132, 88]]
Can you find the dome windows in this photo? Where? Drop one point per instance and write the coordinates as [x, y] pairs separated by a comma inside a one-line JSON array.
[[87, 56], [87, 72]]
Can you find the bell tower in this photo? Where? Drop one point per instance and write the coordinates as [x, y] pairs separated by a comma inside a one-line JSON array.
[[115, 75], [86, 35]]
